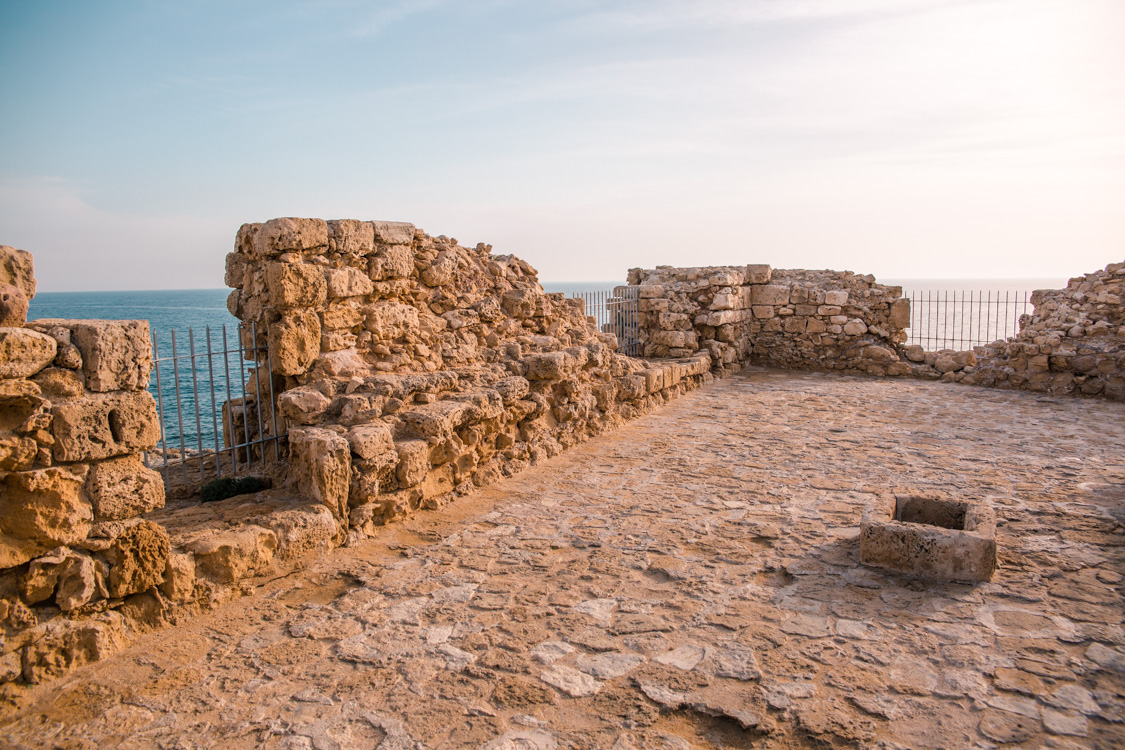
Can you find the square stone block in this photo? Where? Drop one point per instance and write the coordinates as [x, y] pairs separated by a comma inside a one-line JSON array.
[[929, 536]]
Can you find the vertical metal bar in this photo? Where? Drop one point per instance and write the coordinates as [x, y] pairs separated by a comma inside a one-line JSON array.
[[988, 317], [179, 408], [160, 407], [1007, 314], [273, 405], [214, 405], [195, 395], [258, 387], [245, 419], [230, 406]]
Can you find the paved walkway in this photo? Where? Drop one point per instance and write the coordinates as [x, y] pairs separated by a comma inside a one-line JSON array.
[[691, 580]]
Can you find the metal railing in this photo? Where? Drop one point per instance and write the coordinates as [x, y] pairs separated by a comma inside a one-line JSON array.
[[960, 319], [616, 312], [226, 391]]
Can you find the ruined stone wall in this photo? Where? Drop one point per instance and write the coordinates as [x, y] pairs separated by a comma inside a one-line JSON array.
[[411, 369], [823, 320], [1073, 342], [74, 420]]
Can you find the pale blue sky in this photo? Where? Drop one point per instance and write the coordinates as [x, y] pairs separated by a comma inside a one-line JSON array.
[[905, 138]]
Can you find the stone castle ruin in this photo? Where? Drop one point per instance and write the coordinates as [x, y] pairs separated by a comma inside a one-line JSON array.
[[409, 370]]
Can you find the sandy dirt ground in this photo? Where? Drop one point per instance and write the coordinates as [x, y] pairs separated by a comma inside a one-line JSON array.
[[690, 580]]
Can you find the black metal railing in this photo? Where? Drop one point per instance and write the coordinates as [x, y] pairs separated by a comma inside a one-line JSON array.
[[963, 319], [616, 312]]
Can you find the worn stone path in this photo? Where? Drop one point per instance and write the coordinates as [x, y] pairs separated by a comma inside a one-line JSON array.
[[691, 580]]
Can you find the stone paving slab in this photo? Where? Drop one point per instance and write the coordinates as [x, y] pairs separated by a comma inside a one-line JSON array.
[[691, 580]]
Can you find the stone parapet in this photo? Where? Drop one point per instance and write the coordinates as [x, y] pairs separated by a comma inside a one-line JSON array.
[[74, 420]]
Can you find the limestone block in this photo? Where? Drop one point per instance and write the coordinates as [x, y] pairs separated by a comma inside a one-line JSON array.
[[829, 310], [900, 313], [61, 645], [13, 306], [879, 354], [370, 441], [294, 342], [335, 341], [764, 311], [796, 324], [121, 488], [393, 232], [24, 352], [930, 536], [413, 462], [675, 339], [232, 555], [650, 291], [17, 453], [303, 405], [512, 389], [116, 354], [296, 285], [770, 294], [519, 303], [103, 425], [442, 270], [730, 277], [322, 462], [654, 379], [347, 282], [72, 578], [391, 262], [289, 235], [59, 382], [303, 530], [436, 420], [179, 577], [347, 314], [137, 559], [550, 366], [836, 297], [915, 353], [17, 268], [40, 510], [816, 325], [351, 236], [855, 327], [388, 321], [725, 301], [758, 273]]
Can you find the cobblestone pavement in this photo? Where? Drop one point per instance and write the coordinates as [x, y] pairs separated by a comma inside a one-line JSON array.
[[691, 580]]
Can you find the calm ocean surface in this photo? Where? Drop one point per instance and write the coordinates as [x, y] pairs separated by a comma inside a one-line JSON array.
[[203, 309]]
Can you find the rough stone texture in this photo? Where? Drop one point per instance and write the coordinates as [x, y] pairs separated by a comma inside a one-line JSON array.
[[24, 353], [930, 536], [137, 559], [121, 488], [17, 268], [116, 354], [40, 510], [1073, 342], [821, 320], [13, 306], [105, 425], [714, 547]]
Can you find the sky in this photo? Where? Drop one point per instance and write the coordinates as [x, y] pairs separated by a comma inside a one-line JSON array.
[[904, 138]]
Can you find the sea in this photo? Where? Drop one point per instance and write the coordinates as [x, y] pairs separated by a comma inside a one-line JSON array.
[[196, 337]]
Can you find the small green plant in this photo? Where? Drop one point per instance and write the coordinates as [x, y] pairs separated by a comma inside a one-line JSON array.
[[224, 487]]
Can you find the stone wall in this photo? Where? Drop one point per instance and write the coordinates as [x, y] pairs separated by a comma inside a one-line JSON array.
[[1074, 341], [412, 369], [824, 320], [74, 420]]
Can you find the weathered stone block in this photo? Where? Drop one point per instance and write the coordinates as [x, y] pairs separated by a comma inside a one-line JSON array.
[[24, 352], [347, 282], [436, 420], [137, 559], [104, 425], [900, 313], [229, 556], [391, 262], [837, 297], [770, 294], [17, 453], [121, 488], [650, 291], [290, 234], [550, 366], [393, 232], [62, 644], [296, 285], [303, 404], [17, 268], [351, 236], [294, 342], [13, 306], [323, 465], [370, 441], [413, 462], [758, 273], [41, 510], [116, 354], [388, 321], [930, 536]]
